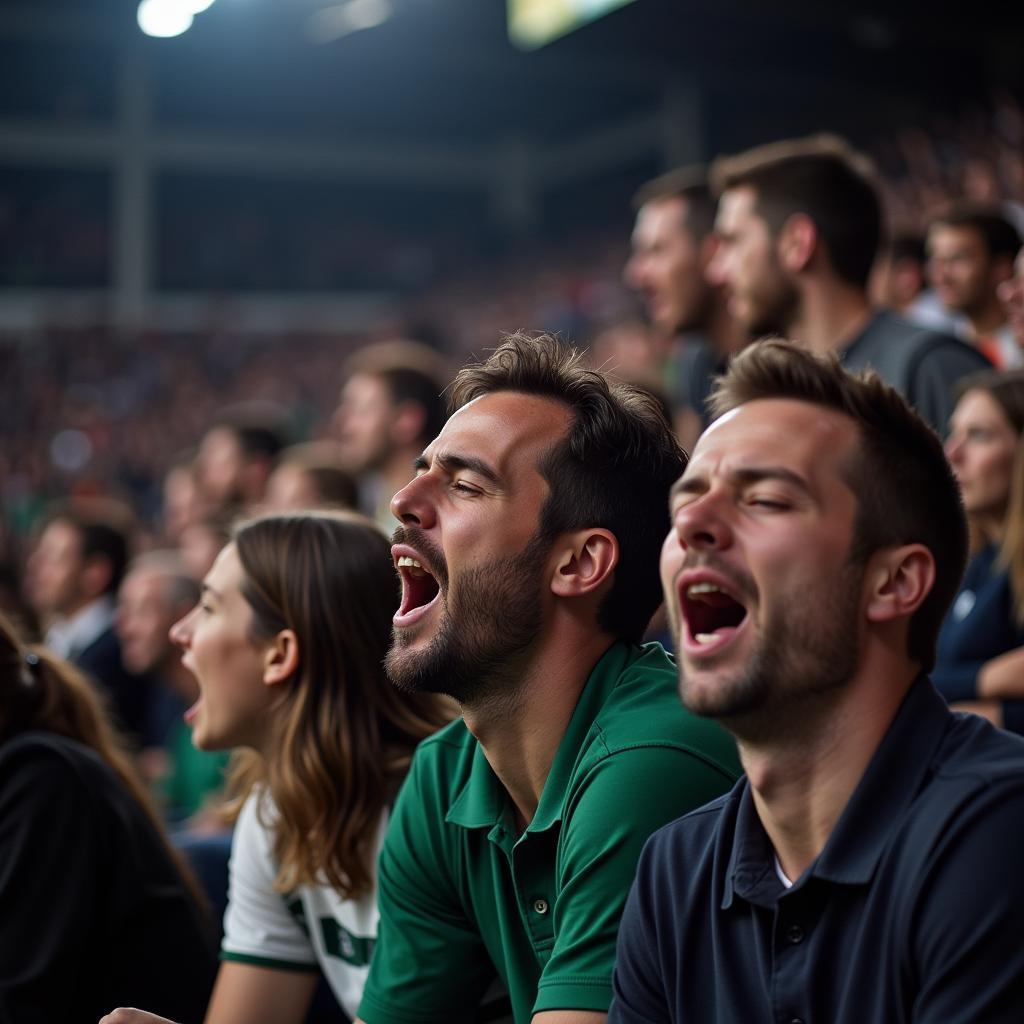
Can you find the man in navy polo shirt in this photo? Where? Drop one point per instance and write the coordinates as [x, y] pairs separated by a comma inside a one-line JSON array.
[[867, 868]]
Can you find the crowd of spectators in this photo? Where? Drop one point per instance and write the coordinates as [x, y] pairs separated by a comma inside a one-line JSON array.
[[128, 459]]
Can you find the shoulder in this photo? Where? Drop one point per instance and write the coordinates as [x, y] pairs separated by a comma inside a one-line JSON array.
[[691, 835], [49, 756], [643, 711], [441, 767]]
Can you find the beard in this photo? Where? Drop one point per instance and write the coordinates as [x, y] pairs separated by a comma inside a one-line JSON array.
[[807, 653], [486, 629], [773, 304]]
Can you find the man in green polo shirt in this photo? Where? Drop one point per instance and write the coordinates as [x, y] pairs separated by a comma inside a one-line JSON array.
[[528, 553]]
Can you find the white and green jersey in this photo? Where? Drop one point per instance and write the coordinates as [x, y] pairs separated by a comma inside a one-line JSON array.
[[310, 928]]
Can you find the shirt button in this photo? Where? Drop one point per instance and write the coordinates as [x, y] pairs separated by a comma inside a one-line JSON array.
[[796, 1020], [795, 934], [540, 906]]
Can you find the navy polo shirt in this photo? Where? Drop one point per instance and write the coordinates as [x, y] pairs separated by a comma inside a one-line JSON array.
[[914, 910]]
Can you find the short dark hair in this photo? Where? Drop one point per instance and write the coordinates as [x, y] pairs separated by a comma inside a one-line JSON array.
[[260, 427], [104, 529], [689, 184], [319, 461], [412, 372], [906, 491], [1000, 238], [906, 247], [613, 469], [822, 177]]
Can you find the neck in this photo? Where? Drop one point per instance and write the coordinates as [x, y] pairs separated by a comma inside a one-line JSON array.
[[830, 315], [520, 741], [986, 320], [990, 527], [801, 782], [725, 334]]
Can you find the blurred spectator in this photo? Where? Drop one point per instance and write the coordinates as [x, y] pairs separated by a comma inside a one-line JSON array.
[[1011, 294], [980, 658], [310, 476], [391, 408], [899, 282], [237, 455], [95, 905], [183, 502], [73, 576], [201, 543], [970, 254], [157, 591], [673, 243], [799, 225]]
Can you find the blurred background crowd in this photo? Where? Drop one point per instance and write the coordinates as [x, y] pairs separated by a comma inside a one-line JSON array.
[[238, 267]]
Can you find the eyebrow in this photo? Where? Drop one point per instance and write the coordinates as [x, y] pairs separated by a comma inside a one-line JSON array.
[[451, 462], [745, 476]]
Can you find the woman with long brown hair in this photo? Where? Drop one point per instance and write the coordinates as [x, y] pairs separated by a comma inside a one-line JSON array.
[[287, 644], [93, 902], [980, 658]]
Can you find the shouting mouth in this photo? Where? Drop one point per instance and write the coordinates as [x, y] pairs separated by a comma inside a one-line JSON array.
[[712, 616], [420, 589]]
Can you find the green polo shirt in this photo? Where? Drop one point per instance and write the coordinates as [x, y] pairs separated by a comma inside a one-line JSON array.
[[463, 896]]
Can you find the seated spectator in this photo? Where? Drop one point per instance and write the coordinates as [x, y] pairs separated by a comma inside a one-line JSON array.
[[201, 542], [981, 645], [899, 282], [288, 645], [183, 500], [310, 476], [866, 868], [1011, 294], [799, 223], [94, 905], [72, 579], [970, 255], [391, 407], [237, 455], [157, 590]]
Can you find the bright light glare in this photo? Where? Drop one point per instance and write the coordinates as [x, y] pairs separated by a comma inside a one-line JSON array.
[[331, 23], [195, 6], [164, 18]]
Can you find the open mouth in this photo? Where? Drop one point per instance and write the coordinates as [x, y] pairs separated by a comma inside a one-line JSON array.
[[419, 589], [712, 616]]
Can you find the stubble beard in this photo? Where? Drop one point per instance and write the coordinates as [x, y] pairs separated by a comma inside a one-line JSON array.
[[804, 658], [485, 634]]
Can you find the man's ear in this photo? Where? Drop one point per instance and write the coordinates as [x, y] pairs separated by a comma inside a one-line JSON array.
[[585, 560], [281, 660], [898, 580], [798, 240]]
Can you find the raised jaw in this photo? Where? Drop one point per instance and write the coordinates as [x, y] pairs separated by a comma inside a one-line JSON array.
[[420, 589], [712, 616]]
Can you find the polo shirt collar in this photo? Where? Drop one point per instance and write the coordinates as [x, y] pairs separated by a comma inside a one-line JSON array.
[[483, 801], [892, 781], [893, 778]]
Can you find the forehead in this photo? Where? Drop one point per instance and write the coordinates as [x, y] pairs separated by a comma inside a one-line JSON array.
[[663, 216], [807, 439], [225, 574], [143, 584], [736, 205], [954, 236], [509, 430], [978, 404], [60, 535]]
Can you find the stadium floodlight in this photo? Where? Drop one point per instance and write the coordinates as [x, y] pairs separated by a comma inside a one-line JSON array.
[[533, 23], [164, 18], [196, 6], [334, 22]]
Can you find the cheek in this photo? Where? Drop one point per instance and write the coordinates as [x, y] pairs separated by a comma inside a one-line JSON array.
[[671, 562]]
